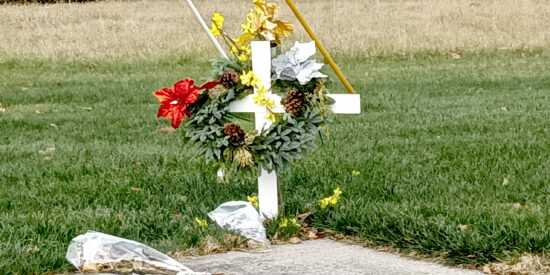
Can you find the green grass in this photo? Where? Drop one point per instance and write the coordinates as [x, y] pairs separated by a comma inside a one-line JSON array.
[[433, 145]]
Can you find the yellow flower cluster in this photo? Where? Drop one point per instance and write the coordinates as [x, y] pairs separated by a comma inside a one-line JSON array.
[[289, 222], [260, 24], [201, 223], [250, 79], [332, 200], [217, 24], [260, 96], [244, 54], [254, 200]]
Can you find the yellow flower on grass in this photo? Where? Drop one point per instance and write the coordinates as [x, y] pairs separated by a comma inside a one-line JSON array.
[[254, 200], [289, 222], [201, 223], [324, 202], [355, 173], [294, 222], [332, 200]]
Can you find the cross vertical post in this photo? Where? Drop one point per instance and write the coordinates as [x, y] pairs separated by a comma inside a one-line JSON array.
[[267, 182]]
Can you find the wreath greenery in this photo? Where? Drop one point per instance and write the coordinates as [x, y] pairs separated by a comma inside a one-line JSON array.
[[219, 134]]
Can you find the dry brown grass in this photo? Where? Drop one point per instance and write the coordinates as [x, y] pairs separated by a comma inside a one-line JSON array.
[[526, 264], [150, 29]]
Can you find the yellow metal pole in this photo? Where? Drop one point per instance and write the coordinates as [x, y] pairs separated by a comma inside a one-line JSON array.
[[321, 48]]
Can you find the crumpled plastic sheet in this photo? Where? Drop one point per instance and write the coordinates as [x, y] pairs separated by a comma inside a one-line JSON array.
[[295, 64], [96, 252], [240, 217]]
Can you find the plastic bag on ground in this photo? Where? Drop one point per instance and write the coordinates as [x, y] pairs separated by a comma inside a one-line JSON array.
[[96, 252], [241, 217]]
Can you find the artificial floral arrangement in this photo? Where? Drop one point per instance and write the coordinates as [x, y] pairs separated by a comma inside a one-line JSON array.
[[212, 127]]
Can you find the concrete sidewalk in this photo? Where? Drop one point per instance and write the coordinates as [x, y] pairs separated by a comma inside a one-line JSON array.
[[317, 257]]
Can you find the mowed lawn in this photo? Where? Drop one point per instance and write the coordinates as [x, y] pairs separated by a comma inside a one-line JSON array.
[[453, 156]]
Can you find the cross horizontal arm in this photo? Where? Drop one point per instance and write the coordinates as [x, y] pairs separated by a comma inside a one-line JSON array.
[[344, 104]]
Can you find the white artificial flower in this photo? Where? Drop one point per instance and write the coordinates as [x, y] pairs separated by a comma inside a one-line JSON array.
[[296, 65]]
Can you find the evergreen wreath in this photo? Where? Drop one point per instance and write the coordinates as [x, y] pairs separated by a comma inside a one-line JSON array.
[[217, 132]]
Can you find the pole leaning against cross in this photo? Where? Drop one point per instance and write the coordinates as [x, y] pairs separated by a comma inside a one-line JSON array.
[[261, 65]]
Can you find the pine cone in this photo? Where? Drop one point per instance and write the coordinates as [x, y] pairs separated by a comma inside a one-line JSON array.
[[294, 101], [235, 133], [230, 78]]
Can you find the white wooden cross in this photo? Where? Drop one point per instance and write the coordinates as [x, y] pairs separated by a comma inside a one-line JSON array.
[[261, 65]]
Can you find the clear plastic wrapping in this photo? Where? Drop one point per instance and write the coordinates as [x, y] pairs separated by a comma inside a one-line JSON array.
[[240, 217], [96, 252]]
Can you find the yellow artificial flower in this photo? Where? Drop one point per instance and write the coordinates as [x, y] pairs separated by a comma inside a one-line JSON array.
[[261, 90], [245, 53], [258, 98], [337, 192], [269, 9], [260, 22], [255, 80], [201, 223], [289, 222], [254, 200], [242, 57], [332, 200], [249, 79], [294, 222], [271, 116], [217, 24], [234, 49], [247, 27], [218, 19], [269, 103], [324, 202], [214, 30], [246, 78], [245, 38], [257, 17]]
